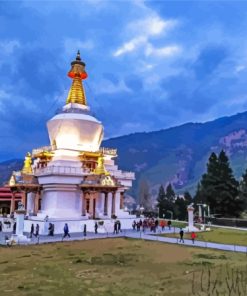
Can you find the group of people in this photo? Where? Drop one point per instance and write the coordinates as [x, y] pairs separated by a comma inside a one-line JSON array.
[[192, 235], [150, 223], [51, 230], [36, 233]]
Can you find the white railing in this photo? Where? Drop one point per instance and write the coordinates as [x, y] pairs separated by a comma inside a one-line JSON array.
[[43, 149], [108, 151], [104, 150], [59, 170], [124, 175]]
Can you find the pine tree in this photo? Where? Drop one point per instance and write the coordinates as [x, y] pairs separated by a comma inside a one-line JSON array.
[[181, 204], [227, 199], [180, 208], [209, 182], [170, 199], [170, 194], [199, 197], [188, 198], [161, 199], [144, 195], [243, 191], [219, 188]]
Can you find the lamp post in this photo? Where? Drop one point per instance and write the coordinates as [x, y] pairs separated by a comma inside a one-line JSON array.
[[202, 208]]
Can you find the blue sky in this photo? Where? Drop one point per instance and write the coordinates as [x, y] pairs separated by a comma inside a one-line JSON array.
[[151, 64]]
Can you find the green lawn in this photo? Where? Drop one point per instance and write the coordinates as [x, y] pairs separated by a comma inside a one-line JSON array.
[[179, 224], [219, 235], [116, 267]]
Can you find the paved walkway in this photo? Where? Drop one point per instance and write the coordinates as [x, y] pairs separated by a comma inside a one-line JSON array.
[[187, 242], [135, 235]]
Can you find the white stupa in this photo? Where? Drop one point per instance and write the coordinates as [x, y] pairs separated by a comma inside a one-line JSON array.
[[75, 178]]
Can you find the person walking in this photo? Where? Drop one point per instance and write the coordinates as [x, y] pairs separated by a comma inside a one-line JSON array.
[[119, 226], [169, 223], [181, 233], [85, 230], [37, 230], [50, 229], [96, 227], [31, 231], [66, 231], [115, 228], [1, 226], [134, 225], [156, 223], [193, 236], [162, 224], [138, 226], [14, 228]]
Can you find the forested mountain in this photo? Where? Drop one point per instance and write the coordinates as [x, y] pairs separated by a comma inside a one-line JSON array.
[[177, 155]]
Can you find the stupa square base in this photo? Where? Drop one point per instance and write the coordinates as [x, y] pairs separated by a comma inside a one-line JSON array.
[[76, 225], [18, 239]]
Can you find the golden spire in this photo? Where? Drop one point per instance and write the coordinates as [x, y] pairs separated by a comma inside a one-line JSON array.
[[100, 169], [27, 167], [77, 73]]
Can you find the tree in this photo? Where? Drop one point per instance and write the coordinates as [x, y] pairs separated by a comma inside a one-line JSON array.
[[227, 200], [170, 194], [199, 196], [207, 187], [166, 200], [243, 190], [161, 199], [181, 204], [144, 195], [219, 188], [188, 198]]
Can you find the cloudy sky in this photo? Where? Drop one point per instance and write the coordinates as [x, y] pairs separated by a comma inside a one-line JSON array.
[[151, 64]]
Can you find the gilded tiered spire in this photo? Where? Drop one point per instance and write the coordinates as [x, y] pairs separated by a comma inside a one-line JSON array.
[[100, 169], [27, 167], [77, 73]]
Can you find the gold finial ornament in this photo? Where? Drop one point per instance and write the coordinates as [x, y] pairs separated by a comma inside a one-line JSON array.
[[100, 169], [12, 180], [77, 73], [27, 168]]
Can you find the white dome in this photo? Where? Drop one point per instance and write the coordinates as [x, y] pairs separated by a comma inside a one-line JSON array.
[[76, 131]]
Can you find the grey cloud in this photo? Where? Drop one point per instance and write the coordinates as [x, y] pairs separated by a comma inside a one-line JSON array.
[[208, 60]]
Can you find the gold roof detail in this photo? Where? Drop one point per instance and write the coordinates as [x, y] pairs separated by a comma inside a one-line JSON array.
[[100, 169], [27, 167], [12, 180], [107, 181], [77, 73]]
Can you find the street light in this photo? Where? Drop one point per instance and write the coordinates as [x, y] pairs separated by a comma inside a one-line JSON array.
[[202, 208]]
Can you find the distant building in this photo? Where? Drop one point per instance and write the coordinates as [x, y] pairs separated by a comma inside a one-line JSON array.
[[8, 200]]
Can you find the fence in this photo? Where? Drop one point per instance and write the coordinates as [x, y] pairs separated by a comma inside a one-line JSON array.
[[242, 223]]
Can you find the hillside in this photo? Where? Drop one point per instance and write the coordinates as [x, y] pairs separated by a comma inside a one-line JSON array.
[[178, 154], [7, 167]]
